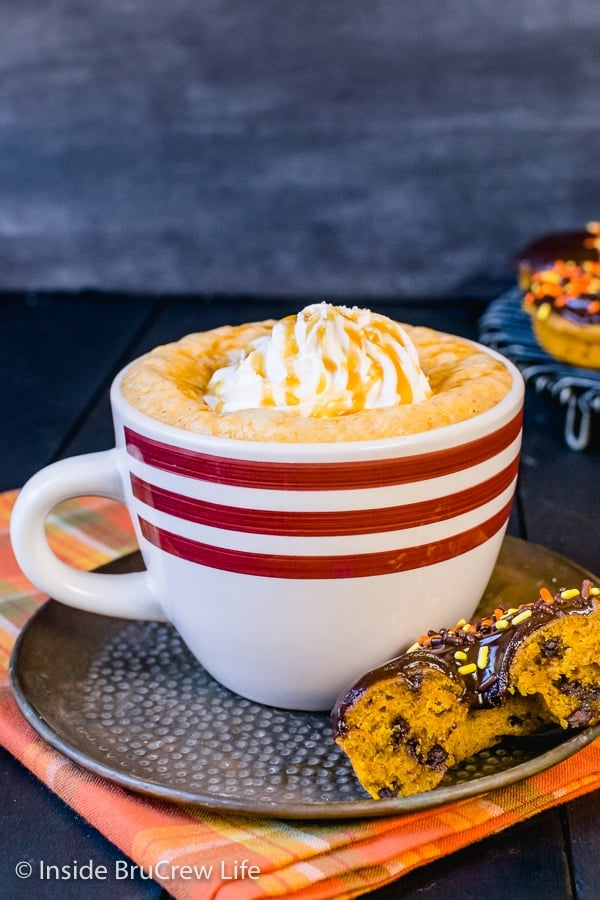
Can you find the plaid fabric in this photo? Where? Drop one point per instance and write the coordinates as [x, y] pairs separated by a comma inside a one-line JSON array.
[[303, 859]]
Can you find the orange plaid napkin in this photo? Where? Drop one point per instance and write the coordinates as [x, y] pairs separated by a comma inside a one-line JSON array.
[[303, 859]]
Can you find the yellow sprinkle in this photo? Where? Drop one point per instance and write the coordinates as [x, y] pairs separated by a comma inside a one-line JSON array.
[[595, 591], [482, 657], [468, 669], [511, 611], [568, 595], [413, 647], [502, 624], [521, 617], [461, 622], [466, 628], [544, 311], [460, 654]]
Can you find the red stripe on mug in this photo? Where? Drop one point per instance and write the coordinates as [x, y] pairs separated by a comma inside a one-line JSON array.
[[357, 565], [300, 523], [333, 476]]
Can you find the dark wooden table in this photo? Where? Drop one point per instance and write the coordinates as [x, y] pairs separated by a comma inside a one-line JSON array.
[[58, 354]]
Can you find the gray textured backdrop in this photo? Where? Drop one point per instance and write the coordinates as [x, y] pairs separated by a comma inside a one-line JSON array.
[[382, 148]]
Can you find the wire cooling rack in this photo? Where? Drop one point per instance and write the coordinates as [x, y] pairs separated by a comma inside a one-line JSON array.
[[507, 328]]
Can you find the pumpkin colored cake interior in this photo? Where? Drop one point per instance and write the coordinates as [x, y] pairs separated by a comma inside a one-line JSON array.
[[462, 689]]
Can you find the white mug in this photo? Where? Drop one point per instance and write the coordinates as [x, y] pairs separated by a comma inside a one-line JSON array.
[[289, 569]]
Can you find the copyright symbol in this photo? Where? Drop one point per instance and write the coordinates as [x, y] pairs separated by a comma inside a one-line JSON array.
[[23, 869]]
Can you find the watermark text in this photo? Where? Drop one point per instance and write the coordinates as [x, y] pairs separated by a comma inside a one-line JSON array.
[[124, 870]]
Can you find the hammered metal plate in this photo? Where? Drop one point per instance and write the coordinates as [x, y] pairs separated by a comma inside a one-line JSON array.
[[128, 701]]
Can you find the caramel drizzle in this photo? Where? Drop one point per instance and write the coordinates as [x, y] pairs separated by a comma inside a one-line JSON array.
[[384, 334]]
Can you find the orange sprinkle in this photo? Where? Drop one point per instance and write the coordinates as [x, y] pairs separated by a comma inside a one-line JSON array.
[[546, 595], [564, 280]]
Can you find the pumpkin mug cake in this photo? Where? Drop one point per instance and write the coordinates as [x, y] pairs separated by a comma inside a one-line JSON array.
[[306, 494], [331, 373]]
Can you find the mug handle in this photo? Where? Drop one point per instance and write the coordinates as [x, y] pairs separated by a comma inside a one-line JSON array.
[[128, 595]]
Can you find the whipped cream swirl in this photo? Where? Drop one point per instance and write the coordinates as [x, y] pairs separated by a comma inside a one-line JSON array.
[[326, 361]]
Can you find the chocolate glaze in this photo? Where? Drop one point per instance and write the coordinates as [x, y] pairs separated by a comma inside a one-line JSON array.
[[575, 309], [542, 254], [484, 672], [543, 251]]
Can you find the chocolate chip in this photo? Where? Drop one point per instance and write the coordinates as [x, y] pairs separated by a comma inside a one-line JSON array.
[[391, 790], [400, 725], [569, 688], [399, 728], [415, 681], [579, 717], [412, 749], [552, 648], [436, 757]]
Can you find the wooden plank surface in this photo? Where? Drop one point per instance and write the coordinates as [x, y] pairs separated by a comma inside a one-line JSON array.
[[56, 357], [527, 863], [582, 832], [559, 488]]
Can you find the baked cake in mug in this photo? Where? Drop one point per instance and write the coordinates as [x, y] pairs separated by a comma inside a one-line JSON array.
[[328, 374]]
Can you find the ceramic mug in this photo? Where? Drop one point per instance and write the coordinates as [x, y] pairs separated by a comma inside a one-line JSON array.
[[289, 569]]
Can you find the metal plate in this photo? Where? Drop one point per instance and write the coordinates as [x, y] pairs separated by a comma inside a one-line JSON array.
[[127, 701]]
